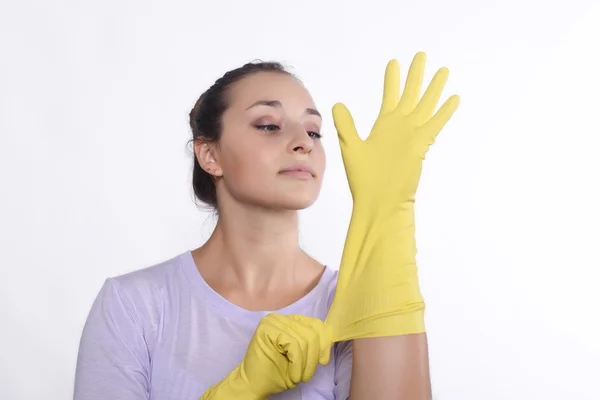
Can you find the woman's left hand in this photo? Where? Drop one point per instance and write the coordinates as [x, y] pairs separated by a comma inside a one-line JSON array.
[[378, 291], [384, 170]]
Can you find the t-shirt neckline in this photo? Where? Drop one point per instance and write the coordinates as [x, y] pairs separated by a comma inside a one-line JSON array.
[[232, 311]]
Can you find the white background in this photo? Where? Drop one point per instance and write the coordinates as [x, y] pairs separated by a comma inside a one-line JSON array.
[[95, 173]]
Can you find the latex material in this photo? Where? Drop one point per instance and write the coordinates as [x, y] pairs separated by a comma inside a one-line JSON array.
[[284, 351], [378, 290]]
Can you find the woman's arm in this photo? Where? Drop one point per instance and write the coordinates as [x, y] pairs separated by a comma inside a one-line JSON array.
[[391, 368], [378, 302]]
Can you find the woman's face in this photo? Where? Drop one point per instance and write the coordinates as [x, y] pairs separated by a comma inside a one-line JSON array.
[[270, 153]]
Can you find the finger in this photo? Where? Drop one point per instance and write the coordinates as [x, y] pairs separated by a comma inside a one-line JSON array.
[[325, 337], [414, 81], [319, 346], [441, 117], [290, 345], [346, 129], [391, 87], [431, 98], [347, 134], [275, 345], [312, 346], [294, 328]]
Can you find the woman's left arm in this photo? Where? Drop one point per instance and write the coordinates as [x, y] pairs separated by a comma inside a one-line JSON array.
[[391, 368], [378, 302]]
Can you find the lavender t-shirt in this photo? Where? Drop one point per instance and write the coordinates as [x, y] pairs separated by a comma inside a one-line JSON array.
[[163, 333]]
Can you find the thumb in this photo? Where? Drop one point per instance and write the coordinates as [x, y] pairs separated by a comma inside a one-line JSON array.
[[344, 124]]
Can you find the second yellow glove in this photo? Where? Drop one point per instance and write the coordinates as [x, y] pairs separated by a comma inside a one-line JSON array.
[[284, 351]]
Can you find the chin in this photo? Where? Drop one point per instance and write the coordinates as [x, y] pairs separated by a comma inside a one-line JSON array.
[[300, 205], [299, 201]]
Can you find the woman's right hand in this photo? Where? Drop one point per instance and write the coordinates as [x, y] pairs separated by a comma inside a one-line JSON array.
[[284, 351]]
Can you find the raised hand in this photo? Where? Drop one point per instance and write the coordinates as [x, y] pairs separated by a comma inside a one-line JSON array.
[[384, 169], [378, 290]]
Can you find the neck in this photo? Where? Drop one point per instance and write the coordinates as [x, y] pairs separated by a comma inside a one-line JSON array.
[[254, 249]]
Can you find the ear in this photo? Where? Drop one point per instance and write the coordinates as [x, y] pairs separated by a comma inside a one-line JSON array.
[[206, 155]]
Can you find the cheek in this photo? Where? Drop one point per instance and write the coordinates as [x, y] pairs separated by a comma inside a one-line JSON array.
[[320, 158], [250, 174], [248, 162]]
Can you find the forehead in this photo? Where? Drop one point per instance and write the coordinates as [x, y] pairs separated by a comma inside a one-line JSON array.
[[270, 86]]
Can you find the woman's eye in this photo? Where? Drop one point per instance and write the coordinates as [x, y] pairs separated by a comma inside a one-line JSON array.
[[275, 128], [268, 127]]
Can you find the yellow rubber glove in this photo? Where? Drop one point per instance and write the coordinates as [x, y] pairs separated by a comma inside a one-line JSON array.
[[378, 291], [284, 351]]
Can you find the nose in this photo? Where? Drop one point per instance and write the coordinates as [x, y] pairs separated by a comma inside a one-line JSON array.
[[300, 141]]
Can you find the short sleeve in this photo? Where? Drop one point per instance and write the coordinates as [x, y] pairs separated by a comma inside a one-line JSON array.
[[113, 360], [343, 369]]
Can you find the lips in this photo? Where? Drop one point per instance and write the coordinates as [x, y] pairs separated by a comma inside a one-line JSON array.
[[299, 170]]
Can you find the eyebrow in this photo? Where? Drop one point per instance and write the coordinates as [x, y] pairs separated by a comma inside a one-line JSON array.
[[277, 103]]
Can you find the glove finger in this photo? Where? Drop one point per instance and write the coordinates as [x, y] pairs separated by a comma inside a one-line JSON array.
[[322, 332], [304, 327], [346, 129], [271, 342], [391, 87], [441, 117], [431, 98], [291, 327], [414, 81], [289, 343]]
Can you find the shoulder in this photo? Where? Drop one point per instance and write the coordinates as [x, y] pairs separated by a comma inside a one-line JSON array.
[[142, 292], [154, 274], [152, 278]]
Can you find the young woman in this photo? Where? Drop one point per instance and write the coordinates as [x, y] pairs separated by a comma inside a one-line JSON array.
[[242, 315]]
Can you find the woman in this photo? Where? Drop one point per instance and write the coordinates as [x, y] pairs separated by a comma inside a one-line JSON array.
[[242, 316]]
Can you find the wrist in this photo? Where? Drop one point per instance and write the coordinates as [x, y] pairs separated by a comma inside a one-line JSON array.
[[379, 211], [373, 223]]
